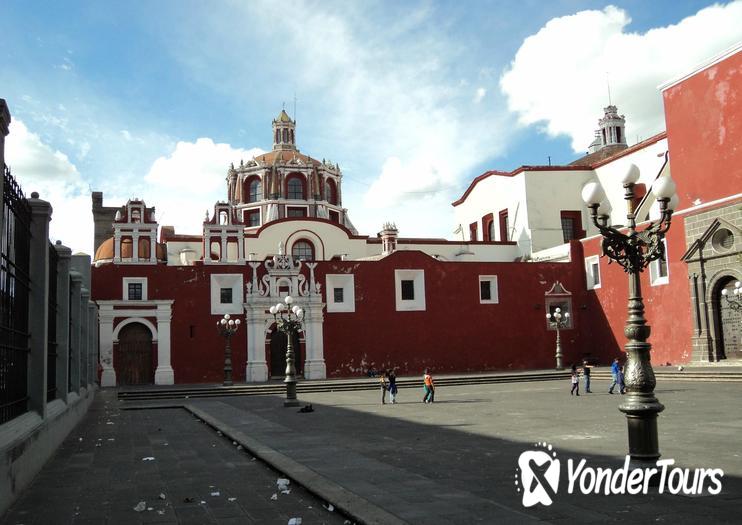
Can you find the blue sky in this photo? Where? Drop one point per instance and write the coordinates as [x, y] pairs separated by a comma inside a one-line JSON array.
[[412, 99]]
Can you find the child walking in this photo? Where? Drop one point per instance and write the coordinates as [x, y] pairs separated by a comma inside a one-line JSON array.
[[392, 386], [429, 387], [575, 381]]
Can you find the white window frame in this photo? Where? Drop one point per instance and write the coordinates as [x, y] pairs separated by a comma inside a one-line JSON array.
[[589, 262], [131, 280], [226, 280], [418, 279], [654, 269], [347, 283], [297, 206], [246, 211], [494, 291]]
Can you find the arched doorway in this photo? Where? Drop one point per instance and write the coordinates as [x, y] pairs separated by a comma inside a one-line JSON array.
[[278, 354], [727, 323], [133, 356]]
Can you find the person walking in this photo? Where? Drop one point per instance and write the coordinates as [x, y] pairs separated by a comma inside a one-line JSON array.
[[429, 387], [383, 383], [392, 386], [586, 374], [621, 384], [615, 369], [575, 381]]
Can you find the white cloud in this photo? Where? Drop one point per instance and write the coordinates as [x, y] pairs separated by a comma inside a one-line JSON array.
[[405, 124], [37, 167], [558, 75], [479, 95], [190, 180]]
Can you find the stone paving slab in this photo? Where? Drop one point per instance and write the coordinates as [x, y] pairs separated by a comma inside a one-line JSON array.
[[98, 476], [405, 457]]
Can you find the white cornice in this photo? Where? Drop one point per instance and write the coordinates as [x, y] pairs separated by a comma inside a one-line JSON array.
[[736, 48]]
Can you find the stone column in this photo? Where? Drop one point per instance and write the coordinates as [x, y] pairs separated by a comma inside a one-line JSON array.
[[256, 369], [74, 341], [38, 303], [84, 336], [117, 247], [108, 373], [314, 366], [153, 248], [223, 250], [63, 319], [164, 374], [135, 246]]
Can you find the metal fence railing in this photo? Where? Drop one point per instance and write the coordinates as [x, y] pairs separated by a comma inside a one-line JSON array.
[[15, 240]]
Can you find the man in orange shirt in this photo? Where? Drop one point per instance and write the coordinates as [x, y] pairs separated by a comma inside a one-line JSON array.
[[429, 387]]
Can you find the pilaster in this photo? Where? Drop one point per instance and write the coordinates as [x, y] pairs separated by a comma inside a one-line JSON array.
[[108, 373], [75, 332], [164, 374], [38, 301], [63, 318]]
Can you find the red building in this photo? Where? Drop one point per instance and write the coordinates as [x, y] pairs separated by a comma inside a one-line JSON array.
[[464, 306]]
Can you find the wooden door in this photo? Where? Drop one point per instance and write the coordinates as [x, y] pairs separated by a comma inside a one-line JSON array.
[[133, 359]]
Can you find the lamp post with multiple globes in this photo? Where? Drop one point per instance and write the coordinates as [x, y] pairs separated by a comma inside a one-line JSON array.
[[289, 321], [634, 250], [734, 302], [558, 321], [227, 327]]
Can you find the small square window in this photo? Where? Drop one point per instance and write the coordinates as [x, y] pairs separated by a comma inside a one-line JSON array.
[[252, 218], [408, 290], [226, 296], [296, 212], [488, 289], [338, 294], [134, 291]]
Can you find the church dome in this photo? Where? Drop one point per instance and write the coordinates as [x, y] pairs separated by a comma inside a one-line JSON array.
[[105, 251]]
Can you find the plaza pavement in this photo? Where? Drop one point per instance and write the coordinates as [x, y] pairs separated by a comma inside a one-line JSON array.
[[453, 461]]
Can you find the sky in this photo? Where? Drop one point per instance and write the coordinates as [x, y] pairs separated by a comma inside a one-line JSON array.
[[412, 99]]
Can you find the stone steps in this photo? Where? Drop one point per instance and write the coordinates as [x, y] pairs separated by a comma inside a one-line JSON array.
[[278, 388]]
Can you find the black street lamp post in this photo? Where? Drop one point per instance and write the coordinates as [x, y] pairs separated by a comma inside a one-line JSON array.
[[227, 327], [289, 321], [558, 321], [634, 250]]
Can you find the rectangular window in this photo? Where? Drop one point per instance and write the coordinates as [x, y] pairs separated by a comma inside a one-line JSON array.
[[658, 270], [135, 292], [296, 212], [571, 225], [334, 216], [408, 290], [252, 218], [592, 272], [338, 293], [568, 228], [485, 291], [225, 296], [488, 289]]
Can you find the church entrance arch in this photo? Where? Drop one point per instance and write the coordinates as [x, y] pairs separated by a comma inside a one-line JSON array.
[[727, 322], [277, 349], [133, 356]]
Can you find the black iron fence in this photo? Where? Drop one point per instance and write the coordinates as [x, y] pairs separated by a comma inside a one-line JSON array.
[[51, 344], [15, 239]]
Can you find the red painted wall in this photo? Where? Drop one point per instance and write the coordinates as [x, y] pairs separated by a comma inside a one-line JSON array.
[[667, 307], [454, 334], [198, 358], [703, 131]]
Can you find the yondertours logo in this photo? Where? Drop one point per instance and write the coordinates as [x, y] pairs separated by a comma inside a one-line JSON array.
[[538, 473]]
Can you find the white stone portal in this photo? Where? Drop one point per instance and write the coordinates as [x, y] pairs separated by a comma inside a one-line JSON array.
[[283, 274]]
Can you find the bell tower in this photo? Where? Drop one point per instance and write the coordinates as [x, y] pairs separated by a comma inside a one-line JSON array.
[[612, 127], [283, 132]]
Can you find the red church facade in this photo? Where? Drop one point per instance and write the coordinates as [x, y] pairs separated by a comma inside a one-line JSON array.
[[389, 302]]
